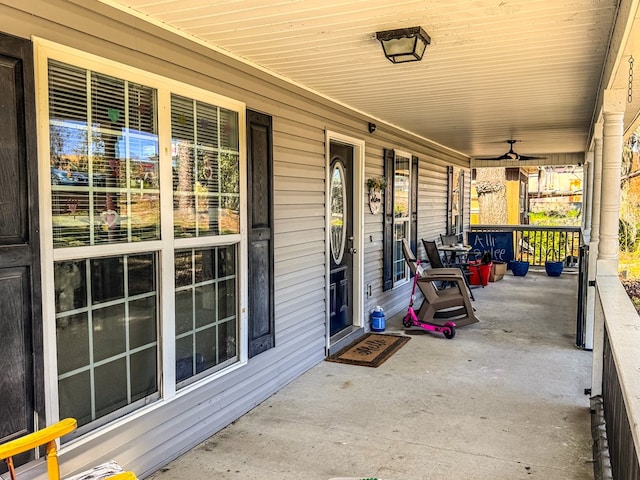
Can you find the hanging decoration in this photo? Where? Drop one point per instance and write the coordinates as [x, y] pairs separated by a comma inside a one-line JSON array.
[[376, 185]]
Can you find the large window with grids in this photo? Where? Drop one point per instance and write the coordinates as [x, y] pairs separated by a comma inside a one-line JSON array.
[[144, 212]]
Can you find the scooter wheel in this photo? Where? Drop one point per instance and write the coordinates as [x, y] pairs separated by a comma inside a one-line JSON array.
[[407, 321], [449, 332]]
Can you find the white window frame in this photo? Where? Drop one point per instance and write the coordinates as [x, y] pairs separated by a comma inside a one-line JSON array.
[[44, 51]]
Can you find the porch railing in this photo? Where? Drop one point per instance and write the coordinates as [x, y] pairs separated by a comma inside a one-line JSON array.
[[620, 363], [538, 244]]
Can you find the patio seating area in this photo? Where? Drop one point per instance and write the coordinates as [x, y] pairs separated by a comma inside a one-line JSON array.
[[503, 400]]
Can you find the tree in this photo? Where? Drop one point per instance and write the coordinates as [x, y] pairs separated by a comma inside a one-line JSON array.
[[491, 185]]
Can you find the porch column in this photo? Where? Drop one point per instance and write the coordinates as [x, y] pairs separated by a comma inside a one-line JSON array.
[[588, 201], [614, 106], [607, 260], [594, 233]]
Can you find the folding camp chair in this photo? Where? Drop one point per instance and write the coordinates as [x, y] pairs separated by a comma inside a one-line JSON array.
[[48, 437]]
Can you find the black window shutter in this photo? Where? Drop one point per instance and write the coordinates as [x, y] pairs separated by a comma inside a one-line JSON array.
[[387, 234], [260, 232], [413, 228], [449, 199]]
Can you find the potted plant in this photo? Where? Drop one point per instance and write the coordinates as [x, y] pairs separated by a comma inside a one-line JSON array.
[[553, 266], [519, 268]]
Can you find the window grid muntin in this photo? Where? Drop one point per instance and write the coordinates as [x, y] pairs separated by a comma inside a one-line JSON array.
[[217, 321], [89, 309]]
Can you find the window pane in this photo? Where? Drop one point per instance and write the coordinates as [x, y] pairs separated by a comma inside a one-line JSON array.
[[183, 268], [104, 158], [206, 178], [142, 322], [109, 332], [206, 348], [205, 302], [141, 274], [72, 336], [401, 185], [70, 286], [108, 345], [74, 397], [107, 279], [206, 312], [111, 387], [227, 336], [144, 373]]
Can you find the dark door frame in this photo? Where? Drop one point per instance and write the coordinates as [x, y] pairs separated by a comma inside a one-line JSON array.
[[358, 234]]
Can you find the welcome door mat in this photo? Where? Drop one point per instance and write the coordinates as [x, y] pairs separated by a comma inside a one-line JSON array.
[[370, 350]]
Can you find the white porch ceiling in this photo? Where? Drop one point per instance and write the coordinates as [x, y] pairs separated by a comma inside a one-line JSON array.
[[496, 69]]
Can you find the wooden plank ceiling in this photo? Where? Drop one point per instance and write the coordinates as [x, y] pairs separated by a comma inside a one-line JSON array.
[[495, 70]]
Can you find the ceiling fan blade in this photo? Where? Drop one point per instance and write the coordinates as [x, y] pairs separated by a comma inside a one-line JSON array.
[[528, 157]]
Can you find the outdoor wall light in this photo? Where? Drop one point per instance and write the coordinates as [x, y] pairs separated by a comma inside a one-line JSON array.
[[404, 45], [372, 127]]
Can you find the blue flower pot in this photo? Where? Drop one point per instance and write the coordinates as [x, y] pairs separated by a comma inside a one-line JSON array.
[[518, 268], [553, 269]]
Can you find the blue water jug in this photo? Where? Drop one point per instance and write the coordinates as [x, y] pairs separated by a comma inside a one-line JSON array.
[[377, 320]]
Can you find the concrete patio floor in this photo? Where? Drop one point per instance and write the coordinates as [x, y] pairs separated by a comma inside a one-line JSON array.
[[503, 400]]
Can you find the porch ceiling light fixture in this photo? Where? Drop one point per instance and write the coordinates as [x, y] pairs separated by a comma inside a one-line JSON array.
[[405, 44]]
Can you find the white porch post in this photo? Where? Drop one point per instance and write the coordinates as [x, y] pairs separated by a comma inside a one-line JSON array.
[[588, 201], [607, 260], [594, 234]]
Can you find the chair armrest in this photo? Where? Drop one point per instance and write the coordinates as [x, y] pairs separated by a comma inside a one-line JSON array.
[[36, 439], [440, 274]]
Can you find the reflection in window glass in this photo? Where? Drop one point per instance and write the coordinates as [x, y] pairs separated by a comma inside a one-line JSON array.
[[206, 310], [103, 158], [206, 169], [106, 332]]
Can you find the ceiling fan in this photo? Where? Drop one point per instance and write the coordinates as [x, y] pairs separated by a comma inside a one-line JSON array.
[[511, 155]]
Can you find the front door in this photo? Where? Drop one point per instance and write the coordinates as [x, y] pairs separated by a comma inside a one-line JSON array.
[[341, 242], [21, 360]]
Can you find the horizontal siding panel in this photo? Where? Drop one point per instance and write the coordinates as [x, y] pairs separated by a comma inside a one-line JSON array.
[[301, 249], [293, 170], [287, 303], [286, 198], [312, 277], [299, 211], [294, 322], [297, 184], [284, 266], [283, 240], [298, 224]]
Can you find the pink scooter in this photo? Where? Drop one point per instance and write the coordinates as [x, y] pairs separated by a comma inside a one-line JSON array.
[[411, 318]]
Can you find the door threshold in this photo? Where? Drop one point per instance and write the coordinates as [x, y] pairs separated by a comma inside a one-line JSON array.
[[344, 338]]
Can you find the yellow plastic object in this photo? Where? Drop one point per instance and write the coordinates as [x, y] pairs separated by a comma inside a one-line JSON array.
[[47, 436]]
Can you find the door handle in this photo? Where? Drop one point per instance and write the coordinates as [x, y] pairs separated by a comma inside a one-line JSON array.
[[353, 251]]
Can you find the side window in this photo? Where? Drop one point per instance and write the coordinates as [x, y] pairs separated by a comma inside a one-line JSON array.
[[455, 201], [400, 214]]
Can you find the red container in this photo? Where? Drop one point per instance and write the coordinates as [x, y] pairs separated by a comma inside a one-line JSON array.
[[480, 274]]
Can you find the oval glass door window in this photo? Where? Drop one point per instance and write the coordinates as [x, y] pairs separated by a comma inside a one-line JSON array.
[[338, 213]]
